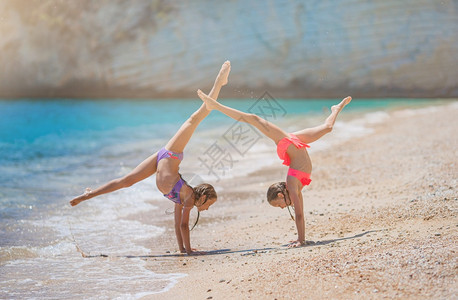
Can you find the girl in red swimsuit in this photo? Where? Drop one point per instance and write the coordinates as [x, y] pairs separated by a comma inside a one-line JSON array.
[[291, 148], [165, 163]]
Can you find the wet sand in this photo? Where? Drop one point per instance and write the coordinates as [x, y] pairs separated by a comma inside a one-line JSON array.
[[381, 212]]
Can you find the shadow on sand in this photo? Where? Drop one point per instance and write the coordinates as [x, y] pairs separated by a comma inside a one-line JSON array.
[[230, 251]]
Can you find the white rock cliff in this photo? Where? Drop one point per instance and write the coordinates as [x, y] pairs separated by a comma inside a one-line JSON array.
[[300, 49]]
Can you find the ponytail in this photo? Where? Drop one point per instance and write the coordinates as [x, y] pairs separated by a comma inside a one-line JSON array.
[[203, 189]]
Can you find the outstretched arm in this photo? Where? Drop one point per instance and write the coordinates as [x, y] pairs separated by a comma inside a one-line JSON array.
[[296, 198], [270, 130], [184, 227], [178, 214], [179, 141]]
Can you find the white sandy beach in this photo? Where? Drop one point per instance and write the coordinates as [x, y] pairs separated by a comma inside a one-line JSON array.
[[382, 211]]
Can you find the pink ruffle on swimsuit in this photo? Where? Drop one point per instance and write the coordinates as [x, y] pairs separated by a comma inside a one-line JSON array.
[[282, 147]]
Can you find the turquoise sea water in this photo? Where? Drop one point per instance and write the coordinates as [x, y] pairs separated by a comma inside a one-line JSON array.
[[50, 150]]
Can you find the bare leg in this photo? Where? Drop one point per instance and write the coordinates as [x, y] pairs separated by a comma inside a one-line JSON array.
[[147, 168], [179, 141], [272, 131], [309, 135]]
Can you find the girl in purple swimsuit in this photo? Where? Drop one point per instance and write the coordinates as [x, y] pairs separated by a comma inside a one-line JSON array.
[[291, 148], [165, 163]]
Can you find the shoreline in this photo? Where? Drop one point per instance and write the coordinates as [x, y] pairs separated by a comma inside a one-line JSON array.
[[381, 211]]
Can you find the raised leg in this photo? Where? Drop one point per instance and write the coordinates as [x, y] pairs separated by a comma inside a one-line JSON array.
[[179, 141], [268, 129], [145, 169], [309, 135]]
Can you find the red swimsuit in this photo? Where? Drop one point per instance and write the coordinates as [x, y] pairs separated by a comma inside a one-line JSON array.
[[282, 147]]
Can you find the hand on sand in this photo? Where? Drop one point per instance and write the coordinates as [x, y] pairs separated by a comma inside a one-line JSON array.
[[183, 250], [210, 103], [295, 244], [81, 198], [194, 252]]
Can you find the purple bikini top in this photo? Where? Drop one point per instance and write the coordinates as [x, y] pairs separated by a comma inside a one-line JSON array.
[[174, 194]]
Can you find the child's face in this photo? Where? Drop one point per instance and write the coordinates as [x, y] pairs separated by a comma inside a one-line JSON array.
[[279, 201], [206, 205]]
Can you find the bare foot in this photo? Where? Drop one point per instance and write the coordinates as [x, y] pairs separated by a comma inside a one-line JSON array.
[[81, 198], [337, 108], [210, 103], [223, 73]]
